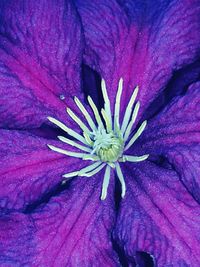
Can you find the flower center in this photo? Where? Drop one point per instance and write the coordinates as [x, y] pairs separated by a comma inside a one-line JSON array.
[[104, 140], [108, 146]]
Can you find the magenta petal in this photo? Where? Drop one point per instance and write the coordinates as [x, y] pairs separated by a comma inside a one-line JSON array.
[[142, 41], [175, 133], [29, 169], [73, 229], [159, 216], [37, 61]]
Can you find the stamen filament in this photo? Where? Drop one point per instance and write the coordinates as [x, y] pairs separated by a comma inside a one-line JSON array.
[[89, 168], [136, 135], [89, 174], [129, 110], [130, 125], [106, 119], [78, 121], [66, 152], [121, 179], [72, 143], [133, 158], [85, 113], [117, 105], [96, 112], [88, 139], [106, 180], [106, 100], [68, 130]]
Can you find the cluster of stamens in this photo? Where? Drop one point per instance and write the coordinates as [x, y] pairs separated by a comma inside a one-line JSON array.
[[104, 140]]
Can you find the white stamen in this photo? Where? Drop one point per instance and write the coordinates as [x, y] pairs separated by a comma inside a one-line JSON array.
[[107, 121], [130, 125], [117, 105], [136, 135], [78, 121], [66, 152], [133, 158], [72, 143], [105, 183], [96, 112], [121, 179], [129, 110], [85, 113], [89, 174], [83, 170], [67, 130], [106, 101]]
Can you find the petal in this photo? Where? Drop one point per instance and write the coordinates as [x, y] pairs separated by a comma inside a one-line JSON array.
[[142, 41], [37, 61], [175, 134], [29, 169], [158, 216], [73, 229]]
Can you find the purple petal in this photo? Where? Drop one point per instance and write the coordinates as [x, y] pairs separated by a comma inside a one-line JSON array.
[[29, 169], [37, 61], [73, 229], [158, 216], [142, 42], [175, 133]]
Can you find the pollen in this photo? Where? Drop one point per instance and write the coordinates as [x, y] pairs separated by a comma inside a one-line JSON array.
[[103, 140]]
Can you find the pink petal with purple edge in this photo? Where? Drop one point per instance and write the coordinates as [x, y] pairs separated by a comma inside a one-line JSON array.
[[158, 216], [144, 45], [175, 133], [29, 169], [37, 61], [73, 229]]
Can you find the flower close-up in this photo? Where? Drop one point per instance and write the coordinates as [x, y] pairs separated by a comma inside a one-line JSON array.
[[100, 133]]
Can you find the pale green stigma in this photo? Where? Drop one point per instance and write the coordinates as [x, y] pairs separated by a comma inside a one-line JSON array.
[[104, 139]]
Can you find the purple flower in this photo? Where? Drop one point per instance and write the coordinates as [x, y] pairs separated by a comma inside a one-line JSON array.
[[51, 51]]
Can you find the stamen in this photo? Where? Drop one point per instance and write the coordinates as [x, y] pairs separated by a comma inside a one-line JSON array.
[[72, 143], [89, 168], [106, 180], [85, 113], [88, 139], [121, 179], [106, 119], [78, 121], [106, 101], [130, 125], [133, 158], [89, 174], [117, 105], [83, 170], [67, 130], [129, 110], [96, 112], [136, 135], [66, 152]]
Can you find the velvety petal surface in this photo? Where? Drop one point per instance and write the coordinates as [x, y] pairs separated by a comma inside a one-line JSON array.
[[158, 216], [29, 169], [142, 41], [40, 52], [73, 229], [175, 134]]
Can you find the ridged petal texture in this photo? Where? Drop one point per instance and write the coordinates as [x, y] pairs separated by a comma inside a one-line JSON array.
[[160, 217], [142, 41], [37, 60], [71, 230]]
